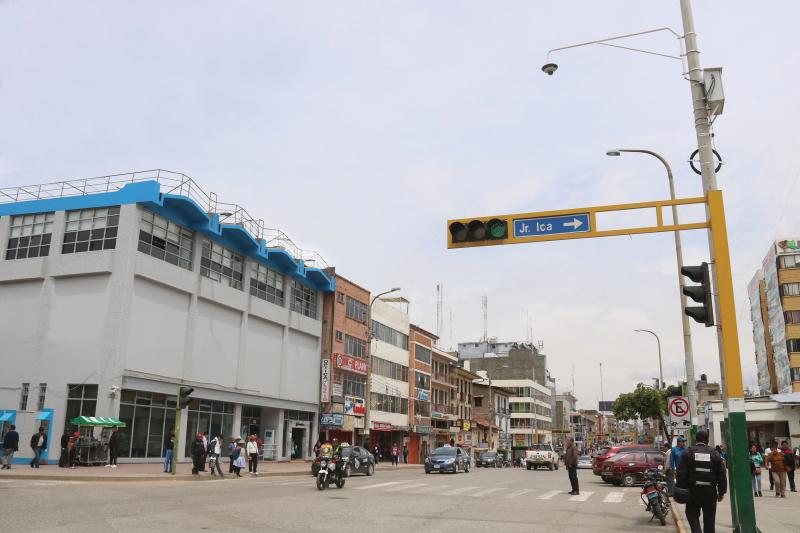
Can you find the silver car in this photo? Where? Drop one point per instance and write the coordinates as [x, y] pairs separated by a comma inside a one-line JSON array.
[[584, 461]]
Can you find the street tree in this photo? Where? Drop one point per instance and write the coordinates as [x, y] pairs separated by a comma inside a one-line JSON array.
[[643, 403]]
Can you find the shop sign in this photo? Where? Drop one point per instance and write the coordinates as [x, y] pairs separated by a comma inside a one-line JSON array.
[[468, 438], [520, 440], [423, 430], [422, 394], [351, 364], [338, 390], [465, 425], [354, 406], [381, 426], [331, 419], [325, 388]]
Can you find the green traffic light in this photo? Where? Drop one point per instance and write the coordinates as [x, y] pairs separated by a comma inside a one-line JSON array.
[[497, 228]]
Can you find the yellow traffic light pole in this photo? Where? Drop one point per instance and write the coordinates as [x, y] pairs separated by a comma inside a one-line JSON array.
[[742, 506]]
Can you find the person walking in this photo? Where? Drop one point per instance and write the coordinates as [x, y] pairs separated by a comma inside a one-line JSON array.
[[669, 472], [10, 445], [113, 446], [252, 453], [72, 449], [63, 459], [169, 446], [702, 472], [756, 462], [777, 464], [238, 458], [674, 459], [571, 464], [395, 452], [38, 445], [405, 454], [788, 460], [205, 451], [217, 451], [767, 452], [377, 454], [198, 454]]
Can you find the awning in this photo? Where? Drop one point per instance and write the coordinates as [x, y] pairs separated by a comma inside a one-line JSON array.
[[101, 421], [44, 415], [5, 417], [789, 398], [484, 423]]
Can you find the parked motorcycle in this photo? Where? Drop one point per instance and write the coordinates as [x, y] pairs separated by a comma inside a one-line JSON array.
[[330, 470], [654, 495]]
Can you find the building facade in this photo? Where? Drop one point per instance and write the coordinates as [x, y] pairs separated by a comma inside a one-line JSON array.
[[110, 301], [420, 438], [444, 397]]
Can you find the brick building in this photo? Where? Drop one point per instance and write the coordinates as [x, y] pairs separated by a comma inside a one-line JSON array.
[[420, 438]]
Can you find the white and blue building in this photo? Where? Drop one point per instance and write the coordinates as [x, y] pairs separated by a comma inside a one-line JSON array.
[[115, 291]]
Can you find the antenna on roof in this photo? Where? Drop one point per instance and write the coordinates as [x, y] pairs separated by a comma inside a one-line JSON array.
[[485, 317]]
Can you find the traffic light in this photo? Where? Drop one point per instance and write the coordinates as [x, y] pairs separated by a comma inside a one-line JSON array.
[[701, 294], [183, 396], [476, 230]]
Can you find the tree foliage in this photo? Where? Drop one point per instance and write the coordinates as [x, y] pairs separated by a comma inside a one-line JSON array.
[[643, 403]]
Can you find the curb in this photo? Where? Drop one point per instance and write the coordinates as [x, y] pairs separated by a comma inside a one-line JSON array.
[[678, 519]]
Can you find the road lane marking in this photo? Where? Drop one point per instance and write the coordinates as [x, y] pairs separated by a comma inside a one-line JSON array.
[[487, 491], [549, 495], [518, 493], [459, 490], [406, 487], [378, 485], [614, 497], [433, 488], [582, 497]]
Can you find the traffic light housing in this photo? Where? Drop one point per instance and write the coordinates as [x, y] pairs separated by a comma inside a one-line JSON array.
[[184, 394], [478, 230], [703, 313]]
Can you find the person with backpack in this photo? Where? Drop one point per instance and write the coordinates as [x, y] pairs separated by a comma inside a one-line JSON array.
[[701, 472]]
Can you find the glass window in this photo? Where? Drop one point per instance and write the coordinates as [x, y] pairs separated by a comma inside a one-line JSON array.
[[793, 345], [304, 299], [42, 394], [81, 401], [266, 284], [795, 374], [422, 408], [339, 336], [790, 289], [91, 230], [356, 309], [355, 347], [422, 354], [165, 240], [222, 264], [389, 335], [789, 261], [388, 404], [23, 397], [205, 415], [792, 317], [354, 385], [30, 236], [422, 381], [389, 369], [340, 297]]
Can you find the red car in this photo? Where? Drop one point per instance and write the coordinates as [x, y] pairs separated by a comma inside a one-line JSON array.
[[607, 451], [628, 468]]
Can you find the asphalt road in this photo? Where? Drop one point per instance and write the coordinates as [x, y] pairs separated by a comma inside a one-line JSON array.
[[502, 500]]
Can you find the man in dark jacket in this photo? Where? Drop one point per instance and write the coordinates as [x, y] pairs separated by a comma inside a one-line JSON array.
[[788, 460], [198, 454], [702, 472], [63, 459], [10, 445], [571, 464], [113, 446], [38, 445]]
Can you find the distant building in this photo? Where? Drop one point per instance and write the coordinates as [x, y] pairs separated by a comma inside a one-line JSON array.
[[707, 392], [507, 360]]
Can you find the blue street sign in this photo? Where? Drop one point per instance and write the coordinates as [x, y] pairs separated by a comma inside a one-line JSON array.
[[534, 227]]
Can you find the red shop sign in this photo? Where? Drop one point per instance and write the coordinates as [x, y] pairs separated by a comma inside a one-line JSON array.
[[381, 426], [351, 364]]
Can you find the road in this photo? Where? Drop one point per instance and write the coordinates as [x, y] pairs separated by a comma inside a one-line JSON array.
[[507, 500]]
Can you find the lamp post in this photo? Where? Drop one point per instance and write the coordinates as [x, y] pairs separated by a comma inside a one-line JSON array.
[[687, 332], [660, 368], [370, 336]]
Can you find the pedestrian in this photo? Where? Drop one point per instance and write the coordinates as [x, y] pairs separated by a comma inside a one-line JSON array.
[[395, 453], [767, 452], [169, 446], [252, 453], [205, 450], [788, 460], [756, 462], [38, 445], [675, 456], [721, 452], [669, 472], [317, 446], [571, 464], [701, 472], [63, 459], [231, 449], [216, 457], [198, 454], [405, 454], [10, 445], [377, 454], [777, 464], [239, 460], [113, 444], [72, 449]]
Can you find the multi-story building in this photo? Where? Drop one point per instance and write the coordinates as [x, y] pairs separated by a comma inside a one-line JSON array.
[[115, 291], [444, 397], [707, 392], [507, 360], [344, 352], [563, 427], [465, 434], [491, 414], [420, 438], [775, 312]]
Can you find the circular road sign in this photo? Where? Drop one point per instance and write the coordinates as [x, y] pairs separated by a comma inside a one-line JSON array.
[[679, 407]]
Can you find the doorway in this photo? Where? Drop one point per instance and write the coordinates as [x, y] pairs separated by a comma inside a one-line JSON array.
[[297, 442]]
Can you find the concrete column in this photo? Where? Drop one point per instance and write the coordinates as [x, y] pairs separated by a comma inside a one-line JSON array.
[[179, 453], [236, 427], [279, 443]]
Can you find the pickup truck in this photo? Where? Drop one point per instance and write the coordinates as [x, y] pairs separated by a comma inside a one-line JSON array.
[[541, 455]]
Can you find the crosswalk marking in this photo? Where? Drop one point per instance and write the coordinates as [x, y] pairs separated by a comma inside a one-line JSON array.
[[518, 493], [549, 495], [406, 487], [582, 497], [459, 490], [487, 491], [378, 485], [434, 488], [614, 497]]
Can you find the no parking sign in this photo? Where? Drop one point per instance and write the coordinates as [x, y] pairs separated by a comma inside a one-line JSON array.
[[679, 415]]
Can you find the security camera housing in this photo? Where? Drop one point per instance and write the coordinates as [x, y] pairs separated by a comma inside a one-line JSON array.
[[549, 68]]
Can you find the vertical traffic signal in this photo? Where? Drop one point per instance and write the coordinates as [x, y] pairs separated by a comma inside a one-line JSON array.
[[464, 231], [701, 294], [184, 394]]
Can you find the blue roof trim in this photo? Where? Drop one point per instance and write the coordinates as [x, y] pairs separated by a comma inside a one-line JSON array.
[[187, 212]]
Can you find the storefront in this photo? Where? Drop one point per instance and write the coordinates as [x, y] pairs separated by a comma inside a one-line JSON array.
[[385, 435], [420, 441]]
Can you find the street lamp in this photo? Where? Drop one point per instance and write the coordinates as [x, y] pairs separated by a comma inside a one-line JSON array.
[[660, 368], [687, 332], [370, 336]]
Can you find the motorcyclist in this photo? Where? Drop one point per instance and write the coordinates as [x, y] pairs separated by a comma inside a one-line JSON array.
[[337, 454]]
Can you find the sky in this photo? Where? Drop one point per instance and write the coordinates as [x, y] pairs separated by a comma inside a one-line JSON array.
[[360, 127]]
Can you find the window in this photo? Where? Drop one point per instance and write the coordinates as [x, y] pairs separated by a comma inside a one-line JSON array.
[[796, 374], [793, 345], [792, 317], [356, 309], [23, 397], [789, 261], [389, 335], [221, 264], [266, 284], [304, 299], [42, 393], [790, 289], [354, 385], [91, 230], [388, 369], [422, 354], [389, 404], [81, 401], [30, 236], [165, 240], [478, 401], [422, 408], [355, 347], [340, 297], [422, 381], [149, 417], [339, 336]]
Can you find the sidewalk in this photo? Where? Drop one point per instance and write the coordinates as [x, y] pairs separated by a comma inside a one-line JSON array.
[[155, 471], [773, 515]]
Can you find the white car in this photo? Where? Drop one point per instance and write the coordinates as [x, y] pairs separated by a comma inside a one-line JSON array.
[[584, 461], [541, 455]]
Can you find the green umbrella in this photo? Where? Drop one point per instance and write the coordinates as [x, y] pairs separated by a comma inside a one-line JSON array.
[[101, 421]]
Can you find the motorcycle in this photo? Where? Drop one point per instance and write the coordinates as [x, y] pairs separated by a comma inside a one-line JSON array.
[[330, 470], [654, 495]]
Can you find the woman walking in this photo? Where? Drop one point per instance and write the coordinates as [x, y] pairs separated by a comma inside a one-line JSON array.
[[252, 453], [756, 462], [238, 458]]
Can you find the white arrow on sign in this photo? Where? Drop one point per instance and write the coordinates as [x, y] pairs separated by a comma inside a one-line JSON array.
[[575, 224]]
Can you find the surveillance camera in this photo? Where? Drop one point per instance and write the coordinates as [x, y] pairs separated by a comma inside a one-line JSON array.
[[549, 68]]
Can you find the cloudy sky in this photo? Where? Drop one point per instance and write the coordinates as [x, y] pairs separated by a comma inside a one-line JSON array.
[[359, 127]]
